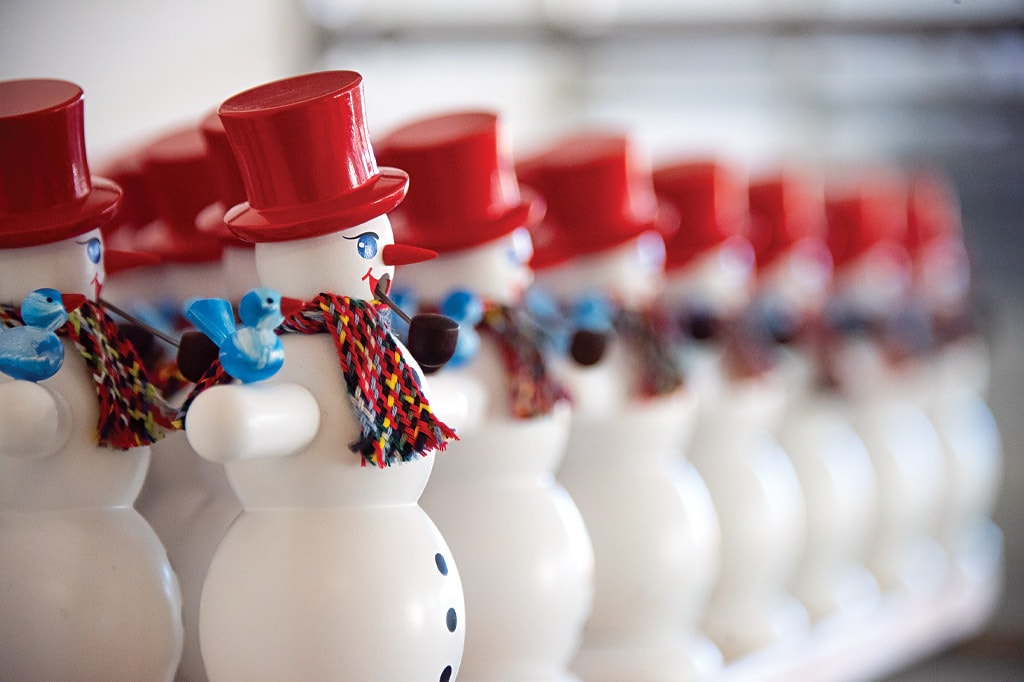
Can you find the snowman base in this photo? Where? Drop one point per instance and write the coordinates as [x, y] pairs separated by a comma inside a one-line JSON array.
[[86, 597], [358, 593], [652, 661], [743, 627]]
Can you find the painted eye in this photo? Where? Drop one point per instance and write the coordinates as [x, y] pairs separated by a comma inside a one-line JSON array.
[[367, 245], [94, 250]]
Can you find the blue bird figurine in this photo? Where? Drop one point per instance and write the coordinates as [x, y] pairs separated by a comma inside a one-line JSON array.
[[251, 352], [33, 352]]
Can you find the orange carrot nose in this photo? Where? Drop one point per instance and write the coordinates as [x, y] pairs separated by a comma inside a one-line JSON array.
[[72, 301], [403, 254], [290, 306]]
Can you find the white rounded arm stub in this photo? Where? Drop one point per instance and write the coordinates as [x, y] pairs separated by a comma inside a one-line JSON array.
[[249, 421], [34, 421]]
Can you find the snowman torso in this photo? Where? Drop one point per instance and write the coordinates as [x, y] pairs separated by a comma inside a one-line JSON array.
[[327, 546], [653, 528], [73, 551]]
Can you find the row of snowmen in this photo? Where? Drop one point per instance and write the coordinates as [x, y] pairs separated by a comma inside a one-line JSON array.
[[686, 418]]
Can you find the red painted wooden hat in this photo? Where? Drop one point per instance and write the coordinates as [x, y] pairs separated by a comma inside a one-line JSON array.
[[179, 180], [598, 194], [712, 203], [871, 213], [933, 212], [304, 151], [785, 210], [463, 190], [46, 192], [227, 179]]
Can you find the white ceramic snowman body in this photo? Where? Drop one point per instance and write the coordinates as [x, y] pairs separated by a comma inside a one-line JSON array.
[[649, 515], [829, 458], [752, 482], [959, 373], [332, 571], [89, 591], [905, 449], [188, 500], [523, 552]]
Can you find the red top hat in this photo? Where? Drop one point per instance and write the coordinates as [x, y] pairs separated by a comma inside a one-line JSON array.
[[463, 190], [227, 179], [873, 213], [598, 194], [46, 193], [933, 213], [784, 211], [712, 204], [180, 183], [304, 151], [137, 208]]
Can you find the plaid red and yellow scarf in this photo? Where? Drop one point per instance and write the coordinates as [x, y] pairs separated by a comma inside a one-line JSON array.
[[132, 411], [533, 392], [396, 422]]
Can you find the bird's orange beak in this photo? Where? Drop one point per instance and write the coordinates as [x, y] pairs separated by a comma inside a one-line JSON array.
[[403, 254], [290, 306], [72, 301]]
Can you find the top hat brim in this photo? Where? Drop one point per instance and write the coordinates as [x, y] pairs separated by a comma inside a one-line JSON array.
[[444, 238], [305, 221], [56, 223], [210, 222], [554, 246]]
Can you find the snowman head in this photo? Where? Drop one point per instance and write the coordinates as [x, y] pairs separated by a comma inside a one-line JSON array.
[[351, 262], [317, 202], [709, 260], [51, 208], [465, 203], [74, 264]]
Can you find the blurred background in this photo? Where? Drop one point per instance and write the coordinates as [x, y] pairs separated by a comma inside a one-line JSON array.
[[835, 83]]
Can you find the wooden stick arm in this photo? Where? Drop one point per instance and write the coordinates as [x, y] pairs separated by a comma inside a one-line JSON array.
[[249, 421], [35, 422]]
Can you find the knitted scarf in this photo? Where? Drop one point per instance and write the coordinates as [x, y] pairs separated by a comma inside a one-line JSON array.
[[132, 412], [395, 419], [660, 373], [532, 390]]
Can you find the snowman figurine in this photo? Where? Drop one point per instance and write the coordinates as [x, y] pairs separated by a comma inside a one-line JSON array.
[[794, 271], [599, 254], [528, 593], [958, 373], [868, 352], [756, 492], [187, 499], [88, 591], [332, 571]]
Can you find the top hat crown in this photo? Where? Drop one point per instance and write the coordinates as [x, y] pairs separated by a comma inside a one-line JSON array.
[[598, 193], [180, 184], [304, 153], [933, 212], [784, 210], [712, 204], [227, 179], [46, 192], [872, 213], [463, 190]]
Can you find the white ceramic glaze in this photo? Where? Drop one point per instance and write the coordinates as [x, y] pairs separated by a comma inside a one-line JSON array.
[[332, 571], [751, 479], [190, 504], [905, 449], [90, 594], [524, 554], [650, 517], [829, 458]]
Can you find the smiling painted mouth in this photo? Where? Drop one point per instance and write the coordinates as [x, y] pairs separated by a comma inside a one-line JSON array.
[[96, 285], [368, 277]]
